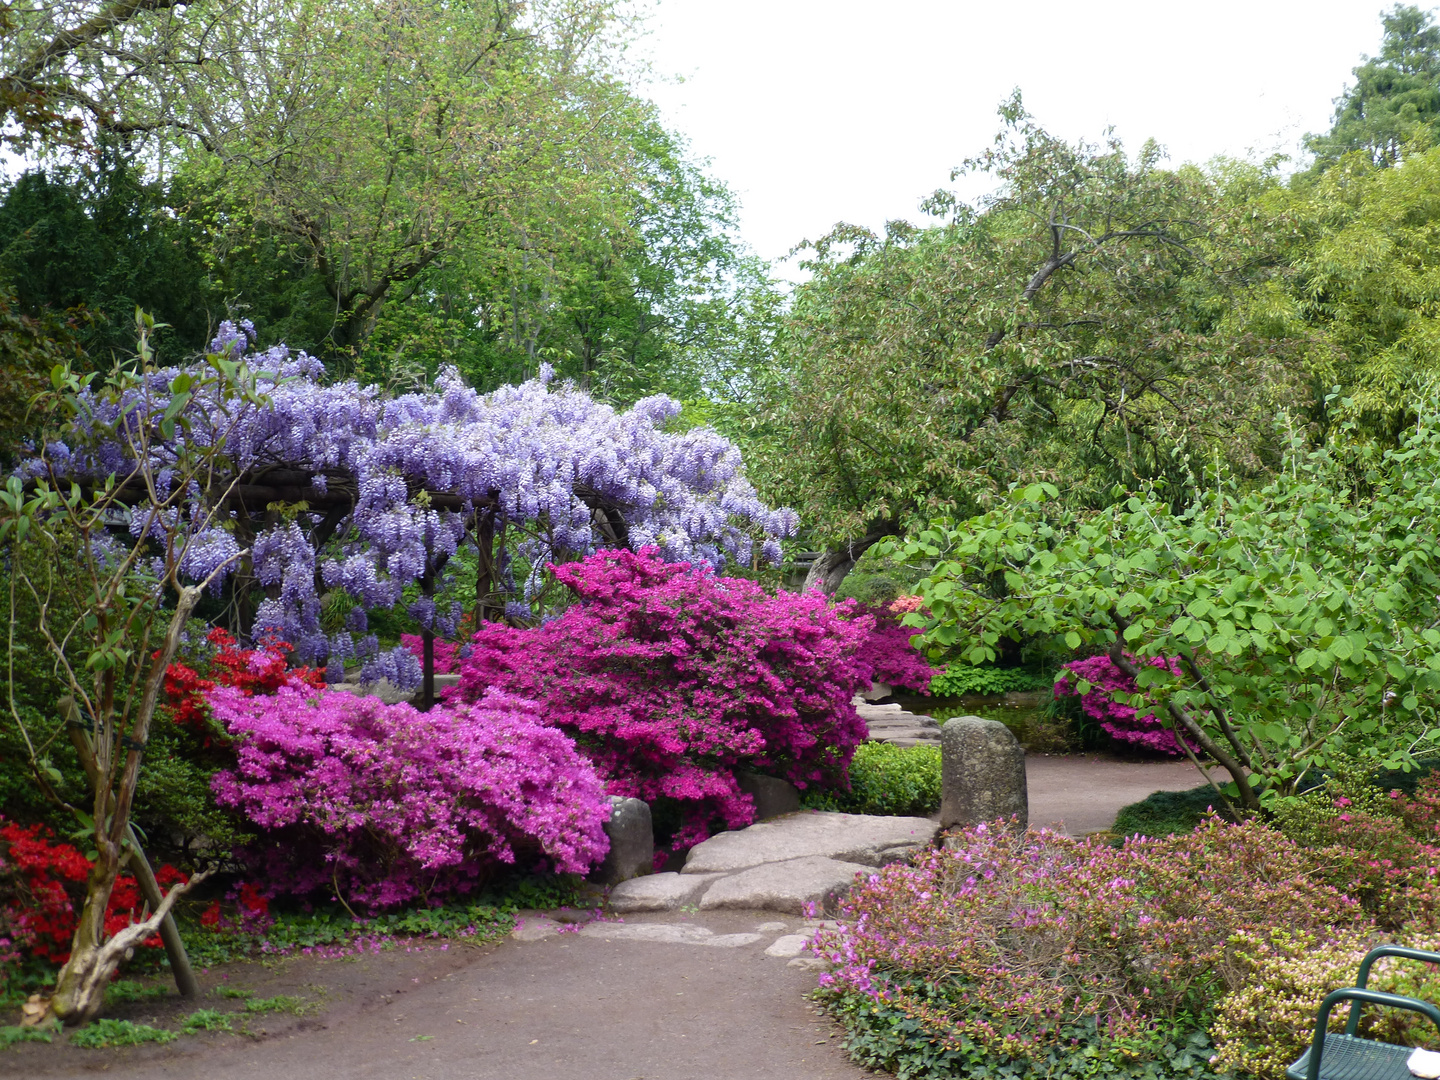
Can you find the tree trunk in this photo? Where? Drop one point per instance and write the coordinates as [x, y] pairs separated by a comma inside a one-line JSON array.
[[829, 571]]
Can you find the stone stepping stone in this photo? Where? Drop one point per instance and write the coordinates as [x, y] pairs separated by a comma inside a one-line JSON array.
[[868, 840], [669, 933], [659, 892], [790, 886]]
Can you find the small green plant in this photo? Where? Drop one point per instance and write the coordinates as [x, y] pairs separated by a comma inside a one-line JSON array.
[[104, 1033], [125, 991], [886, 779], [206, 1020], [959, 680], [281, 1003], [9, 1036]]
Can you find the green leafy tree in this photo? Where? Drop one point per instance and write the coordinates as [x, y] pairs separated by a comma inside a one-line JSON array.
[[1074, 329], [1303, 614], [1396, 96], [111, 620], [97, 241]]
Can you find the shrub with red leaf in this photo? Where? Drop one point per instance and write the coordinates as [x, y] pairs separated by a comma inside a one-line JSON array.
[[42, 881], [1002, 943], [261, 670], [670, 679]]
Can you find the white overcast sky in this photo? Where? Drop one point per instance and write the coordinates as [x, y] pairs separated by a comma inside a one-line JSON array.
[[817, 111]]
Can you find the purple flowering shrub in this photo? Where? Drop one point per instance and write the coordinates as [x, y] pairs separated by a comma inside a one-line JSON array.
[[893, 659], [1008, 943], [1120, 721], [670, 678], [383, 803]]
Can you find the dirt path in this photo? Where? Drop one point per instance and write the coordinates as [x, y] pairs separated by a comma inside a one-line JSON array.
[[609, 1002]]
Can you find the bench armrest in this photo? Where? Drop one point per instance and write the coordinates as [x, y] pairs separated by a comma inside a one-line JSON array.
[[1360, 996]]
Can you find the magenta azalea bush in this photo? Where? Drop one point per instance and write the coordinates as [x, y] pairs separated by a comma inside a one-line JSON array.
[[446, 653], [893, 659], [670, 679], [1120, 721], [1007, 944], [383, 804]]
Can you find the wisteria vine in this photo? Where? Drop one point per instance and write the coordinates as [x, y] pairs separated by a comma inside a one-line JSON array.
[[336, 486]]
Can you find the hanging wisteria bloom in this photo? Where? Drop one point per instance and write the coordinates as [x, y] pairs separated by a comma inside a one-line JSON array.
[[379, 492]]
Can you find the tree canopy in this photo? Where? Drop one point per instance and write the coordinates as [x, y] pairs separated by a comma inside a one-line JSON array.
[[1396, 96]]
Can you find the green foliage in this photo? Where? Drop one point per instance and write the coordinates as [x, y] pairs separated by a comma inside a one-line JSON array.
[[206, 1020], [1396, 96], [1166, 813], [886, 1038], [958, 680], [886, 779], [106, 1033], [1079, 327], [280, 1003], [9, 1036], [125, 991], [485, 918], [99, 242], [1302, 613]]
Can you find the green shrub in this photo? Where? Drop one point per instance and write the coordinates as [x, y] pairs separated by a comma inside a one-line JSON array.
[[1166, 813], [958, 680], [103, 1033], [886, 779], [886, 1038]]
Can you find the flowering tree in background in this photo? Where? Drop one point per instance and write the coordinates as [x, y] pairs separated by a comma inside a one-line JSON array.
[[336, 487]]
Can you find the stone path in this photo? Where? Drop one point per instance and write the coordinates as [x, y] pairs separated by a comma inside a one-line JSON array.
[[785, 865], [893, 724]]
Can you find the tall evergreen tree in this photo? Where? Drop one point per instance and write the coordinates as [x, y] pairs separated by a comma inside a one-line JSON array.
[[1396, 96]]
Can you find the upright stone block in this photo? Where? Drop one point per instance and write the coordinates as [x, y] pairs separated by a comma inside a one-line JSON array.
[[982, 773], [772, 795], [632, 842]]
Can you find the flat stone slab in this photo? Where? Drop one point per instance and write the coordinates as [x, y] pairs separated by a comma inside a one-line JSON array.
[[864, 839], [669, 933], [788, 886], [659, 892], [789, 945]]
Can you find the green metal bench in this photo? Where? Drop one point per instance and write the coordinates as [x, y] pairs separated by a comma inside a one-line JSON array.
[[1336, 1056]]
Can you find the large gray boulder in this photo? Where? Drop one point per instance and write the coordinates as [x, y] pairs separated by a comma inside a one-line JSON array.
[[772, 795], [785, 886], [851, 838], [982, 773], [632, 842]]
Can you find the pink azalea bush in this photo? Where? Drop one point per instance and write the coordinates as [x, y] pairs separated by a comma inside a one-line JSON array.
[[670, 678], [1120, 721], [893, 659], [383, 803], [446, 652], [1008, 944]]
